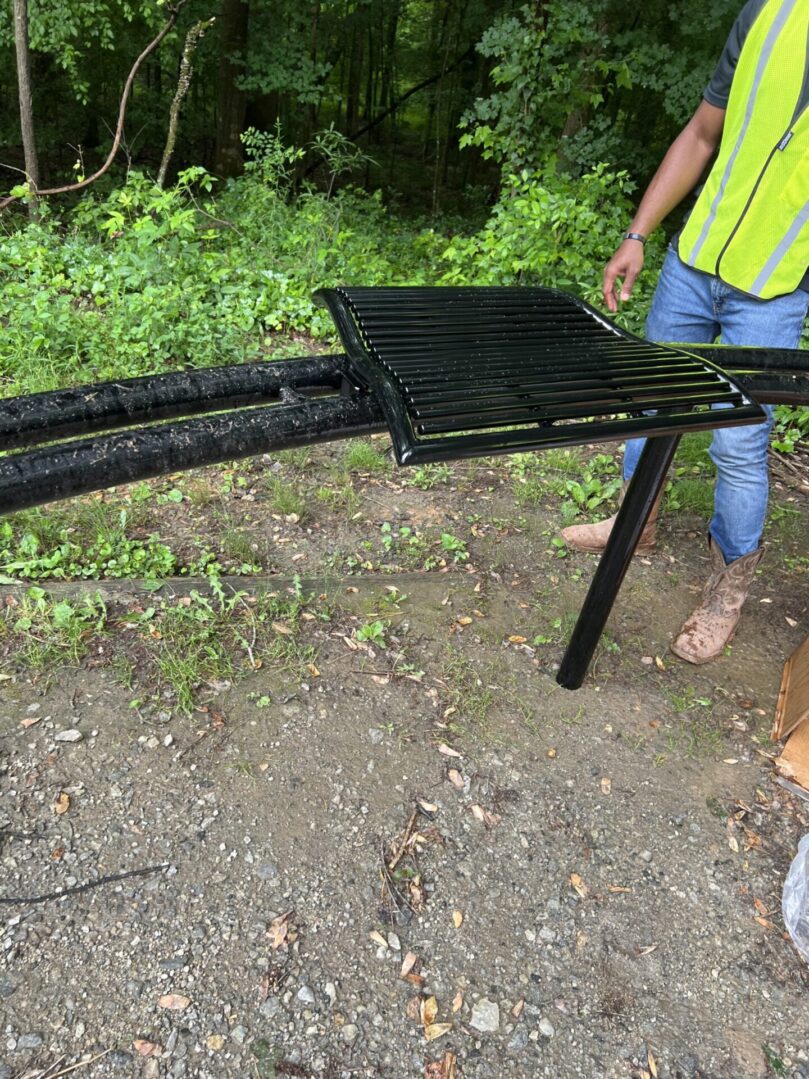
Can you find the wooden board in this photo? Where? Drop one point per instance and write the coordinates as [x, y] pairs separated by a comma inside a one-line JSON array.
[[793, 698]]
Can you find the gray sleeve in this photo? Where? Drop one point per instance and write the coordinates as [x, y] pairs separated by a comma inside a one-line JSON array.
[[718, 90]]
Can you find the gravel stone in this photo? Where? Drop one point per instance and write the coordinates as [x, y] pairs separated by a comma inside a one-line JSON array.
[[349, 1033], [485, 1016], [29, 1041]]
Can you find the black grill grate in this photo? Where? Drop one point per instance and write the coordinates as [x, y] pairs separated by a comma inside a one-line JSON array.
[[465, 371]]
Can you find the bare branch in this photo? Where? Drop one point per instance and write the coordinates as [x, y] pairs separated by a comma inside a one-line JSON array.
[[119, 130]]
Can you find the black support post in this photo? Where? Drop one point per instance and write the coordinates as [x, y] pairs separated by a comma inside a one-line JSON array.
[[646, 483]]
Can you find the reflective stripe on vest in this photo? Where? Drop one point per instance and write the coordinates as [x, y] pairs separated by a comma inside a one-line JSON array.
[[750, 225]]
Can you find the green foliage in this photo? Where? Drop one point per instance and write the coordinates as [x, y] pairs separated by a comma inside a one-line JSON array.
[[551, 229], [47, 634], [32, 550]]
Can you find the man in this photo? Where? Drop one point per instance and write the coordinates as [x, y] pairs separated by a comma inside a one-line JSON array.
[[736, 272]]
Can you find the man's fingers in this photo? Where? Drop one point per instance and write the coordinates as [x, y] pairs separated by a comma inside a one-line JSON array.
[[629, 283]]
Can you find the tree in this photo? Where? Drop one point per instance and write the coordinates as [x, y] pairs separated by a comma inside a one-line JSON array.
[[26, 97]]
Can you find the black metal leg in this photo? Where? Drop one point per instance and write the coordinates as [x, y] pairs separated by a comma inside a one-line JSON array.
[[647, 481]]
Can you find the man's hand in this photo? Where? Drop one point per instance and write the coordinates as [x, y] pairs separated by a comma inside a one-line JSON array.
[[624, 266]]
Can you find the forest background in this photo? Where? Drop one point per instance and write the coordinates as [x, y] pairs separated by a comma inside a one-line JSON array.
[[317, 142]]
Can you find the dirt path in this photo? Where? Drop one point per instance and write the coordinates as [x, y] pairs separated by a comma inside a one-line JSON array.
[[593, 889]]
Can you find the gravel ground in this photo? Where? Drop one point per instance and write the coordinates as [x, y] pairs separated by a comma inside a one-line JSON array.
[[595, 876]]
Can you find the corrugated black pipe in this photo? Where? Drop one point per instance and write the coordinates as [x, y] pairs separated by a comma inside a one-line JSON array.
[[47, 417], [74, 468]]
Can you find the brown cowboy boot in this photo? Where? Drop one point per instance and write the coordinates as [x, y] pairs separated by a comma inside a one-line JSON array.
[[593, 538], [712, 625]]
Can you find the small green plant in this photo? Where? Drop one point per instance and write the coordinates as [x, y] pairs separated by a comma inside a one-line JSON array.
[[45, 635], [362, 456], [374, 632], [454, 546], [286, 499], [428, 476]]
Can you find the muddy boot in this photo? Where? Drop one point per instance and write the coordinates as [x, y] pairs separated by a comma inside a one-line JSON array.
[[594, 537], [713, 623]]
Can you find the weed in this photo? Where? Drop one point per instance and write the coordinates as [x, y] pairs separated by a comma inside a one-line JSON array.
[[428, 476], [299, 458], [45, 635], [340, 497], [286, 499], [374, 632], [363, 456]]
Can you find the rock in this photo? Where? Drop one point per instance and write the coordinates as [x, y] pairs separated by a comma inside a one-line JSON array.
[[305, 995], [119, 1058], [349, 1033], [519, 1040], [71, 735], [485, 1016], [270, 1008], [546, 1027], [29, 1041]]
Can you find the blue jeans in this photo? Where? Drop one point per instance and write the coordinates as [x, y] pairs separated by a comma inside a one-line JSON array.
[[694, 307]]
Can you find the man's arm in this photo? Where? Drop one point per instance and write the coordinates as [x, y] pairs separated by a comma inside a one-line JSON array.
[[678, 174]]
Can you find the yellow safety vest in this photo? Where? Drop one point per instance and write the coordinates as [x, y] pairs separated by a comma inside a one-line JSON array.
[[750, 226]]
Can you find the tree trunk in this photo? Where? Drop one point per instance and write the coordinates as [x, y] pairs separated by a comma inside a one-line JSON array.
[[26, 97], [231, 101]]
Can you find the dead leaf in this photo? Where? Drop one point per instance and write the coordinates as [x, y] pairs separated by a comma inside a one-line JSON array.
[[146, 1049], [448, 751], [61, 803], [606, 785], [441, 1069], [413, 1009], [282, 628], [436, 1030], [457, 918], [408, 964], [282, 931], [174, 1002], [457, 1003], [429, 1011], [579, 886], [455, 778]]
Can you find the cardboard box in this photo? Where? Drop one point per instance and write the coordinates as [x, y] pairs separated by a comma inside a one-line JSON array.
[[792, 718]]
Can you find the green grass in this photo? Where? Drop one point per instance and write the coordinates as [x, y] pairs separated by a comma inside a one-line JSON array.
[[362, 456]]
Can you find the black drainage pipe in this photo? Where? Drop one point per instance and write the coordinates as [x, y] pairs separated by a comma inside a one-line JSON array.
[[73, 468], [47, 417]]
